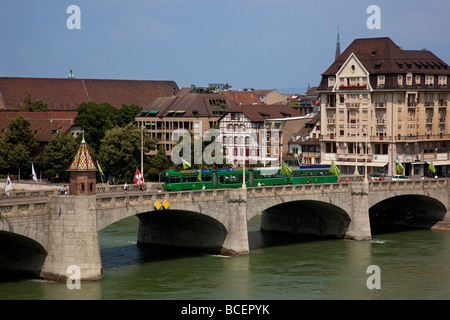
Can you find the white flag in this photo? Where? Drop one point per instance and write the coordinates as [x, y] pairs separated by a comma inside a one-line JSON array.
[[33, 172], [8, 187]]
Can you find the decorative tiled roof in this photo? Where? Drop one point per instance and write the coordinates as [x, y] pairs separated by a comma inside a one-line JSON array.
[[83, 159]]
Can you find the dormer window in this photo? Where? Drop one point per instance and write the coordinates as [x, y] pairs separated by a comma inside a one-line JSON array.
[[381, 80], [331, 81]]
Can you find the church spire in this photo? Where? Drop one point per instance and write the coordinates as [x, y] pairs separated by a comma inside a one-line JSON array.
[[338, 46]]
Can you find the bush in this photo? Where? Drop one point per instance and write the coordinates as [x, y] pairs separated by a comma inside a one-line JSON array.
[[152, 175]]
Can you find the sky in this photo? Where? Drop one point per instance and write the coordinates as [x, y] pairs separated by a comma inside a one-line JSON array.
[[261, 44]]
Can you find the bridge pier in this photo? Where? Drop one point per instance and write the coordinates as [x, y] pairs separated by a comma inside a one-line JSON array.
[[236, 241], [359, 228], [72, 239]]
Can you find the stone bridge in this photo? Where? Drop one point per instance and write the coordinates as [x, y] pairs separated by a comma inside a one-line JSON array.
[[44, 233]]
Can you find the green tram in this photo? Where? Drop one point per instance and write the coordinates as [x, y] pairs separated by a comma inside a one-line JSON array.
[[254, 177]]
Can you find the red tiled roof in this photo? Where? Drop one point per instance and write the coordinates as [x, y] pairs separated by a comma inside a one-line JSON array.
[[382, 55], [68, 94], [202, 104], [242, 97], [43, 124], [258, 113]]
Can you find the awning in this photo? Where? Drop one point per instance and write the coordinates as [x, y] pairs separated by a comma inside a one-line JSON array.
[[440, 162], [353, 163]]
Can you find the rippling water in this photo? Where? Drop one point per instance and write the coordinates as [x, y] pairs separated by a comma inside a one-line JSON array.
[[413, 265]]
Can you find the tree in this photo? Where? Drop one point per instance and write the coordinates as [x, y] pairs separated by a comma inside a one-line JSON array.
[[37, 105], [58, 154], [128, 114], [18, 145], [120, 151], [160, 160], [95, 119]]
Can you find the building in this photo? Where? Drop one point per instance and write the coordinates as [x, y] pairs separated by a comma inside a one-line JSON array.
[[242, 97], [309, 102], [44, 125], [270, 96], [381, 104], [250, 136], [304, 146], [67, 94], [190, 109]]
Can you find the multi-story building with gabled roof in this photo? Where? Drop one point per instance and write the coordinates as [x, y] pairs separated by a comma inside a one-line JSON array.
[[381, 104]]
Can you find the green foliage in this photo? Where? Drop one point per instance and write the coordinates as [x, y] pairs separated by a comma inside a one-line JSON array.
[[152, 175], [128, 114], [58, 154], [120, 151], [17, 146], [36, 105], [95, 119], [160, 161]]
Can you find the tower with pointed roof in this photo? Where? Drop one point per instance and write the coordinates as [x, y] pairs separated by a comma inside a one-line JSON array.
[[338, 46], [82, 172]]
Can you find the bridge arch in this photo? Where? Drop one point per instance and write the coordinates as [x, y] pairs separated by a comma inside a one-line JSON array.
[[407, 210], [312, 217], [181, 228], [20, 255]]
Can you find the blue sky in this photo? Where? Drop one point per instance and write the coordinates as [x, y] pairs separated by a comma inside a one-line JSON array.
[[261, 44]]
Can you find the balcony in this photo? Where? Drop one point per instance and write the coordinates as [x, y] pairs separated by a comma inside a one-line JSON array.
[[353, 87], [381, 105], [352, 105]]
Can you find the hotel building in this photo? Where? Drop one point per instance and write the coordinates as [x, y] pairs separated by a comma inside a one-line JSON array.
[[381, 104]]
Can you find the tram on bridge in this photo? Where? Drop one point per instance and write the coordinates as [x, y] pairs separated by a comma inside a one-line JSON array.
[[254, 177]]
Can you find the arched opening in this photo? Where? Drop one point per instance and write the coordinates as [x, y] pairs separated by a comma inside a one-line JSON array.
[[20, 257], [181, 229], [405, 212], [306, 217]]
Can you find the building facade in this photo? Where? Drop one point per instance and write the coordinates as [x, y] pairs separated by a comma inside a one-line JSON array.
[[253, 134], [381, 105], [189, 110]]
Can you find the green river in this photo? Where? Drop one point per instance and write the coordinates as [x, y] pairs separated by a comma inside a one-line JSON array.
[[412, 265]]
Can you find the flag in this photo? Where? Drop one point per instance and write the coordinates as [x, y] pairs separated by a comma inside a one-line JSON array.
[[299, 163], [199, 177], [186, 164], [286, 170], [234, 167], [334, 169], [100, 169], [138, 178], [8, 187], [33, 172], [399, 167], [431, 167]]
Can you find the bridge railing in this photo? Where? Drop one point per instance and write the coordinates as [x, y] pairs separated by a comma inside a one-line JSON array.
[[408, 184], [300, 188], [29, 194], [22, 207]]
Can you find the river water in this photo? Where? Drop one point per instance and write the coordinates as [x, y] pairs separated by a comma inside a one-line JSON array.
[[412, 265]]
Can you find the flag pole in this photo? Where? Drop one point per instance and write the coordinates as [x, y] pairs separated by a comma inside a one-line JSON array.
[[142, 152]]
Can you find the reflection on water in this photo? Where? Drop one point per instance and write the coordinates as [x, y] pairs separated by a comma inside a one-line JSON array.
[[414, 265]]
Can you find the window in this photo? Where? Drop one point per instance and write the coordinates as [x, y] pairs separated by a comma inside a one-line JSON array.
[[442, 80], [417, 79], [331, 82], [409, 79], [381, 81], [400, 80], [429, 80]]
